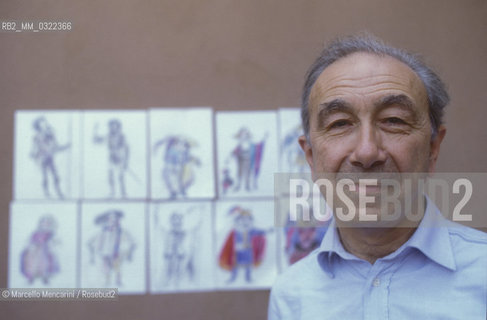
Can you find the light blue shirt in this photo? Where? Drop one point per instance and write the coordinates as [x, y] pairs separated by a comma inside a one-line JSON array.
[[439, 273]]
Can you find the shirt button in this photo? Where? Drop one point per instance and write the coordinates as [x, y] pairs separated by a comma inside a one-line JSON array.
[[376, 282]]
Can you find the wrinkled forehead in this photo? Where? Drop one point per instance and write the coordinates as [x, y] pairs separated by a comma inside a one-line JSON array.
[[367, 76]]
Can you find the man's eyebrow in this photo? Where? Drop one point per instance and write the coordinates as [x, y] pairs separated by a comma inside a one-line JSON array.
[[400, 100], [333, 106]]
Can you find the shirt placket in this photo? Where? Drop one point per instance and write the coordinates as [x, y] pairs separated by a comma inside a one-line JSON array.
[[376, 292]]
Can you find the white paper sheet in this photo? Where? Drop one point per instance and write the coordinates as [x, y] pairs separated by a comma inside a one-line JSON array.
[[113, 250], [247, 153], [46, 155], [292, 157], [182, 153], [246, 256], [115, 154], [43, 245], [181, 247]]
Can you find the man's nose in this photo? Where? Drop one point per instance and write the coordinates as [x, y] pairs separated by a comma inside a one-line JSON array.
[[368, 152]]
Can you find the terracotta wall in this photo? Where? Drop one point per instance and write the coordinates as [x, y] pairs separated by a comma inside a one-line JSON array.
[[228, 54]]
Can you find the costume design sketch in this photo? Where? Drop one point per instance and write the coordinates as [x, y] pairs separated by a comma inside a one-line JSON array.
[[181, 160], [301, 239], [178, 169], [180, 243], [244, 247], [291, 151], [43, 244], [118, 156], [44, 149], [38, 259], [112, 246], [115, 154], [247, 155]]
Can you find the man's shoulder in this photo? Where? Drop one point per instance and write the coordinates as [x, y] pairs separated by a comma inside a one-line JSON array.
[[463, 234], [469, 245], [298, 274], [286, 294]]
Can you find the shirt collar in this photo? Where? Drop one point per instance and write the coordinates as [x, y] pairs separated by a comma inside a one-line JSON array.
[[432, 238], [331, 246]]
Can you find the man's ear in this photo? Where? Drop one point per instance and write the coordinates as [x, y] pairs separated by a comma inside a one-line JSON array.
[[308, 152], [435, 147]]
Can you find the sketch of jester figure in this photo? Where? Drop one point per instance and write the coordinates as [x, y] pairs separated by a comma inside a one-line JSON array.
[[291, 151], [44, 148], [178, 164], [118, 156], [38, 260], [302, 237], [248, 156], [112, 246], [180, 244], [244, 247]]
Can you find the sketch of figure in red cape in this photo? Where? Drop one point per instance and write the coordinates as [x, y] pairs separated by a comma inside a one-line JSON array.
[[248, 156], [244, 247], [38, 259]]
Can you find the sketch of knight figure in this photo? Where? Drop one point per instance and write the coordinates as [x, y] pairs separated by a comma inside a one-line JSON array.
[[248, 156], [118, 156], [44, 148], [38, 260], [244, 246], [112, 246], [180, 242], [291, 151], [178, 164]]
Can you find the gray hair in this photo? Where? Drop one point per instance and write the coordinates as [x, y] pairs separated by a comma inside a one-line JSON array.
[[341, 47]]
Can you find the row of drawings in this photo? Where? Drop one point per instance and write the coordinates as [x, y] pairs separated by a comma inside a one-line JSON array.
[[160, 247], [156, 154]]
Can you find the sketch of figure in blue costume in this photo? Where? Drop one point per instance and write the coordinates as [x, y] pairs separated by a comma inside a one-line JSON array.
[[118, 156], [38, 260], [244, 246], [180, 244], [291, 151], [178, 164], [248, 157], [44, 148], [112, 246]]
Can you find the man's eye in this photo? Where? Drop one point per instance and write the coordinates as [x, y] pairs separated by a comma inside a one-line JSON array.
[[394, 121], [339, 124]]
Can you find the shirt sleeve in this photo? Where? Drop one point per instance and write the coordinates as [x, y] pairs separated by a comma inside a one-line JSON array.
[[283, 305], [273, 312]]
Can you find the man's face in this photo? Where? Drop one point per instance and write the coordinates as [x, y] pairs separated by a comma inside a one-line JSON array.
[[369, 114]]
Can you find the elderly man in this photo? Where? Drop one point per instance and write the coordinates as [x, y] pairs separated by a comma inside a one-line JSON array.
[[370, 109]]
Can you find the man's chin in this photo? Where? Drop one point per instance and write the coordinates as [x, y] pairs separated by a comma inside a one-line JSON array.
[[372, 217]]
